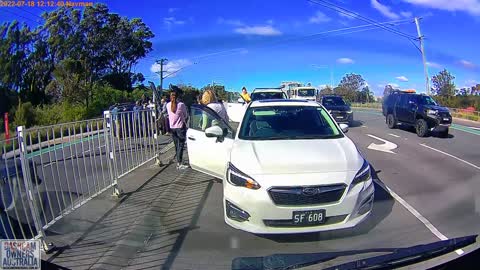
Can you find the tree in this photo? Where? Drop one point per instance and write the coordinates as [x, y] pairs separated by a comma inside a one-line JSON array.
[[349, 85], [365, 95], [388, 90], [69, 83], [443, 84], [326, 91]]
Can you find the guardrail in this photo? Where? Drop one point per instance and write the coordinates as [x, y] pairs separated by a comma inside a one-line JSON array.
[[458, 113], [47, 172]]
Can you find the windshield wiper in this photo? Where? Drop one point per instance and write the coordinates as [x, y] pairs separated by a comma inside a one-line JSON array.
[[396, 258]]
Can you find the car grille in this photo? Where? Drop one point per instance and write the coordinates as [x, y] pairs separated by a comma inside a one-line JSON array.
[[310, 195], [339, 115], [283, 223], [444, 115]]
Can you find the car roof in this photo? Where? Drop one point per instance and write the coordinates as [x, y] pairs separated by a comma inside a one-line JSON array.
[[305, 87], [284, 102], [329, 96], [265, 90]]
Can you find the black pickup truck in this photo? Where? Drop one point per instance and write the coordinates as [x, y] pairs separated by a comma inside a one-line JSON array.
[[417, 110]]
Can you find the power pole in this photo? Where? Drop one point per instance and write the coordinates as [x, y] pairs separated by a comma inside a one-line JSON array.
[[161, 62], [424, 58]]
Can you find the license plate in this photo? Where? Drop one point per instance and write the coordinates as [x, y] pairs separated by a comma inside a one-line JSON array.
[[308, 217], [339, 117], [446, 119]]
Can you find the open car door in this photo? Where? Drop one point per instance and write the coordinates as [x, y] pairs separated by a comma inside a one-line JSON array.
[[207, 152]]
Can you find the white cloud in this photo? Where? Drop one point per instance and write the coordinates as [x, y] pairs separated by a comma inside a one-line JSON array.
[[434, 65], [470, 6], [467, 64], [172, 10], [319, 17], [171, 66], [169, 21], [402, 78], [471, 82], [230, 22], [385, 10], [265, 30], [345, 61], [406, 14]]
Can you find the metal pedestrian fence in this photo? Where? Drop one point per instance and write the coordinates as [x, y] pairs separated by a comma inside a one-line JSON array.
[[48, 172]]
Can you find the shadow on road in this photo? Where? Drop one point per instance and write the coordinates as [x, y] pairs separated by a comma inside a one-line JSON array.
[[436, 134], [356, 123], [382, 207], [146, 228]]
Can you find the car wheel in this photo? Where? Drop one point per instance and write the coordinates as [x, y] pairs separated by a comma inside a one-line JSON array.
[[391, 122], [444, 133], [421, 127]]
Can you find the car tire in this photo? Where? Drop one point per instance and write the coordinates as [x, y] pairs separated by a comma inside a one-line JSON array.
[[391, 122], [421, 127], [444, 133]]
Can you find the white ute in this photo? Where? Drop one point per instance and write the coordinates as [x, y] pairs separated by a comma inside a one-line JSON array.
[[289, 168], [236, 110]]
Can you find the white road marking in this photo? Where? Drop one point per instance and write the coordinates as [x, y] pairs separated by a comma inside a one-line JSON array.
[[452, 156], [475, 128], [419, 216], [394, 135], [387, 147]]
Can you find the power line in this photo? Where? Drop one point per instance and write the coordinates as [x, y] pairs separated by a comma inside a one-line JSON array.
[[29, 12], [296, 39], [353, 14], [16, 14]]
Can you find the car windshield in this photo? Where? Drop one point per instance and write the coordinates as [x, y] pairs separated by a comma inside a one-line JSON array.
[[426, 100], [287, 123], [267, 95], [306, 92], [333, 101]]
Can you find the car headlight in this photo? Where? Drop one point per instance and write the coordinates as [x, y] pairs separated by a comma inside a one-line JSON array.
[[240, 179], [329, 111], [363, 174], [432, 112], [350, 111]]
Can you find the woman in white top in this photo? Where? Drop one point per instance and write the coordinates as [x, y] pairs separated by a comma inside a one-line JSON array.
[[210, 100]]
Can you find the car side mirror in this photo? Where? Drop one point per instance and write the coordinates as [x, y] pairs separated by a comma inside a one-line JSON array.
[[344, 128], [240, 100], [214, 131]]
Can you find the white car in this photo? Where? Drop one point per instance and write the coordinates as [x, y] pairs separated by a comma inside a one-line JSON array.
[[289, 168]]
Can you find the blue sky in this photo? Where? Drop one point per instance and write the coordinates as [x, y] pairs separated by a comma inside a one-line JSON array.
[[261, 43]]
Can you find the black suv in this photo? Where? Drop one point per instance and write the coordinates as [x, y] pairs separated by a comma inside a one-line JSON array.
[[417, 110], [336, 106]]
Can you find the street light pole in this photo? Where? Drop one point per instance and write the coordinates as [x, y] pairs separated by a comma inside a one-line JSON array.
[[424, 58]]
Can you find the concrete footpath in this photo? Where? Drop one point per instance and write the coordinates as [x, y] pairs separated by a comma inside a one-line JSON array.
[[144, 228]]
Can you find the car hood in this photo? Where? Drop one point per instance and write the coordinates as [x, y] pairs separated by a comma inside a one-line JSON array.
[[437, 108], [338, 108], [296, 156]]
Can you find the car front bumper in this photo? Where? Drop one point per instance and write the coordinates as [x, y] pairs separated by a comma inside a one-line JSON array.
[[265, 217]]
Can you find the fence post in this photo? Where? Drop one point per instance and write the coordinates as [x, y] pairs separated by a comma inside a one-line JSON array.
[[110, 147], [27, 181]]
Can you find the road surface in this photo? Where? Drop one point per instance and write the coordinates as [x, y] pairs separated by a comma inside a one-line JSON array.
[[427, 189]]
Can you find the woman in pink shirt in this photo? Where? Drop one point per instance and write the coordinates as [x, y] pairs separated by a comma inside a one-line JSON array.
[[177, 116]]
